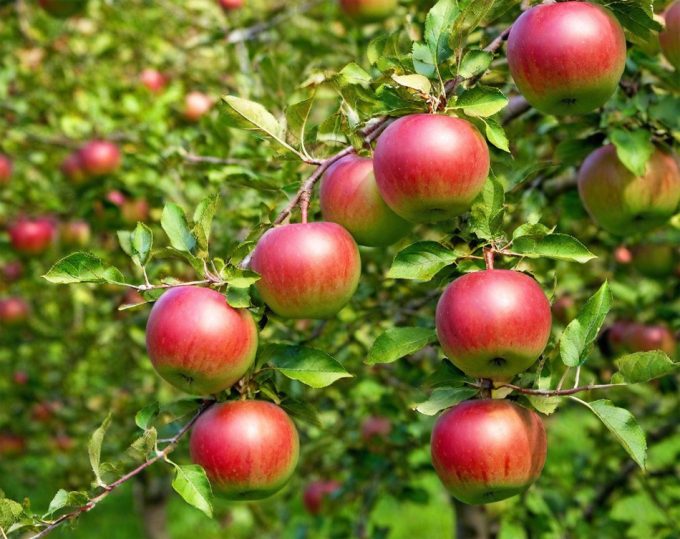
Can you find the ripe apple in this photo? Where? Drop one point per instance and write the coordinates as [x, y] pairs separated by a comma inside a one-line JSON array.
[[153, 80], [249, 449], [375, 427], [20, 378], [32, 236], [316, 493], [134, 210], [643, 338], [349, 196], [63, 442], [622, 255], [62, 8], [493, 323], [488, 450], [430, 167], [568, 57], [307, 270], [116, 198], [99, 157], [197, 342], [368, 10], [5, 169], [230, 5], [654, 260], [72, 168], [625, 204], [76, 233], [12, 271], [196, 104], [669, 38], [11, 444], [615, 338], [13, 311]]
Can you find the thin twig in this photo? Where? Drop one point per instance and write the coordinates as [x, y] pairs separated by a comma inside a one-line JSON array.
[[556, 392]]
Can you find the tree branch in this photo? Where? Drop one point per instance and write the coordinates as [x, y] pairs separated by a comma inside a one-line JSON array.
[[556, 392]]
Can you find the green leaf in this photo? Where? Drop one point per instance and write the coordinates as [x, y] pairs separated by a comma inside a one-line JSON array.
[[147, 415], [64, 499], [474, 62], [399, 342], [175, 225], [643, 367], [10, 511], [143, 446], [635, 16], [238, 298], [438, 26], [83, 268], [496, 134], [302, 410], [633, 148], [244, 114], [557, 246], [444, 397], [141, 242], [582, 331], [94, 449], [307, 365], [544, 404], [203, 218], [414, 81], [536, 230], [486, 213], [481, 101], [622, 424], [297, 117], [421, 261], [353, 74], [423, 62], [192, 484]]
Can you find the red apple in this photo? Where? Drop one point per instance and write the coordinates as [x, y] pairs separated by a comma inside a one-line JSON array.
[[72, 168], [316, 493], [20, 378], [643, 338], [616, 337], [75, 233], [622, 255], [197, 342], [230, 5], [375, 428], [308, 270], [493, 323], [134, 210], [43, 411], [63, 442], [625, 204], [32, 236], [567, 57], [153, 80], [368, 10], [669, 39], [249, 449], [654, 260], [99, 157], [116, 198], [488, 450], [13, 311], [349, 196], [62, 8], [430, 167], [196, 104], [12, 271], [12, 444], [5, 169]]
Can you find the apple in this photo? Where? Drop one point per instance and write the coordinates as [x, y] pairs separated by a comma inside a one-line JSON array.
[[564, 309], [72, 168], [316, 493], [197, 342], [368, 10], [63, 442], [153, 80], [20, 378], [13, 311], [11, 444], [5, 169], [430, 167], [654, 260], [622, 255], [625, 204], [567, 57], [76, 233], [12, 271], [349, 196], [248, 448], [62, 8], [196, 104], [230, 5], [643, 338], [44, 411], [488, 450], [375, 428], [32, 236], [615, 337], [669, 38], [116, 198], [134, 210], [307, 270], [493, 323], [99, 157]]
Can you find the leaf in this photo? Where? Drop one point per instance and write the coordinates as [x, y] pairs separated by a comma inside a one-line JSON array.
[[544, 404], [643, 367], [94, 448], [423, 62], [307, 365], [142, 446], [175, 225], [481, 101], [444, 397], [238, 298], [65, 499], [635, 16], [192, 484], [10, 511], [421, 261], [486, 213], [415, 82], [557, 246], [474, 62], [496, 134], [622, 424], [399, 342], [203, 218], [141, 242], [353, 74], [83, 267], [581, 332], [297, 117], [303, 411], [633, 148], [438, 26], [244, 114], [147, 415]]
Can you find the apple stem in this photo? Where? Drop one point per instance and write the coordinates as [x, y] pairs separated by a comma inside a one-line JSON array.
[[488, 257]]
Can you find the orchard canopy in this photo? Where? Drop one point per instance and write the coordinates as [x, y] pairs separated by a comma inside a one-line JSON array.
[[339, 269]]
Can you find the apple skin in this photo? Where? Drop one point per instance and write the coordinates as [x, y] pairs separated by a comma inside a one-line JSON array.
[[375, 427], [622, 203], [153, 80], [12, 271], [643, 338], [349, 196], [249, 449], [488, 450], [568, 57], [430, 167], [368, 10], [197, 342], [493, 323], [5, 169], [669, 38], [76, 233], [13, 311], [32, 236], [72, 168], [623, 255], [99, 158], [654, 261], [315, 495], [308, 270], [62, 8], [196, 105], [230, 5]]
